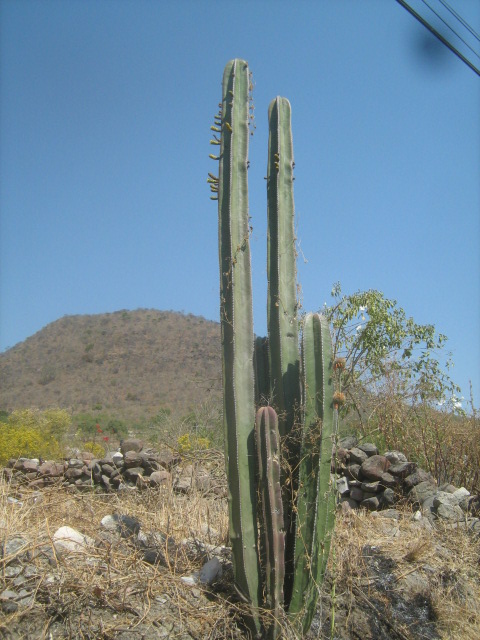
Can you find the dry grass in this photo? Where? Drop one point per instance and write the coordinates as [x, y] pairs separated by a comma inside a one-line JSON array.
[[383, 575], [387, 563], [110, 589]]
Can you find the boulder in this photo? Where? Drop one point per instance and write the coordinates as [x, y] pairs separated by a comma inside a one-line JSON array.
[[160, 478], [132, 459], [52, 469], [68, 540], [395, 456], [402, 469], [416, 478], [374, 467], [357, 456], [132, 444], [368, 448]]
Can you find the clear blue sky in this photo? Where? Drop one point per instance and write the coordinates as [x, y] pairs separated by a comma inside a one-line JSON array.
[[105, 115]]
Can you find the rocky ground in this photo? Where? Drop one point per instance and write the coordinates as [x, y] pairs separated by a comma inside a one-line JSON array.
[[151, 559]]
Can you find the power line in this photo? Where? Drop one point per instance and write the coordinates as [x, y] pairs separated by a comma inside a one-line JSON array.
[[451, 28], [439, 36], [460, 19]]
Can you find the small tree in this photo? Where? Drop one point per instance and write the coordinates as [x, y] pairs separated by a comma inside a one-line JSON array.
[[394, 375], [385, 351]]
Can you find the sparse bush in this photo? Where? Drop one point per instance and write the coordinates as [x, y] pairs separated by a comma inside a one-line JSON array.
[[88, 425]]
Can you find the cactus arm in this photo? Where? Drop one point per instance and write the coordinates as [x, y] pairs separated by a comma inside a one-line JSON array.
[[325, 505], [315, 498], [268, 452], [237, 332], [281, 266], [284, 358]]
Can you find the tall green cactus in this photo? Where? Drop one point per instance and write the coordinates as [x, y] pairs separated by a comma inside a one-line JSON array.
[[237, 331], [296, 519]]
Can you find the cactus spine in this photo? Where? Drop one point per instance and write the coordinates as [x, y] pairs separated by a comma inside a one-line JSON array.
[[237, 332], [296, 524]]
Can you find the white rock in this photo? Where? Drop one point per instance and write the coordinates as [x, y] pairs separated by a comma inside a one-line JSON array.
[[191, 581], [69, 540], [461, 493], [109, 523]]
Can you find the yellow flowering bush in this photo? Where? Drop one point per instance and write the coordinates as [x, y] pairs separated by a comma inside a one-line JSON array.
[[32, 433], [188, 442], [95, 448]]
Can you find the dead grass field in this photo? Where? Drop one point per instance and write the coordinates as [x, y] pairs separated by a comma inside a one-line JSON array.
[[388, 577]]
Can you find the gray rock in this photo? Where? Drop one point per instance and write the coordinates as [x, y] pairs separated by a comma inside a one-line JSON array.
[[132, 444], [352, 471], [8, 602], [52, 469], [68, 540], [356, 494], [107, 469], [395, 457], [133, 473], [422, 491], [117, 458], [132, 459], [474, 525], [160, 478], [417, 477], [75, 463], [210, 572], [387, 498], [348, 502], [450, 512], [461, 493], [371, 503], [374, 467], [73, 473], [125, 526], [442, 497], [368, 448], [357, 456], [447, 487], [371, 487], [106, 482], [348, 442], [342, 486], [402, 469], [14, 547], [388, 481]]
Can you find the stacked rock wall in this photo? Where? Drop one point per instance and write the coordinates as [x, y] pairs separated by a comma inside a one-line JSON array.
[[364, 478]]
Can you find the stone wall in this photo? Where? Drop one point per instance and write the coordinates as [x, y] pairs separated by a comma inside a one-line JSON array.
[[364, 478]]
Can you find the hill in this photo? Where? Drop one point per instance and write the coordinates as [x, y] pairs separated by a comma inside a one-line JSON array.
[[128, 363]]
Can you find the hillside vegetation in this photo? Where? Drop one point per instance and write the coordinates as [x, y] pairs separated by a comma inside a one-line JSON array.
[[130, 364]]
